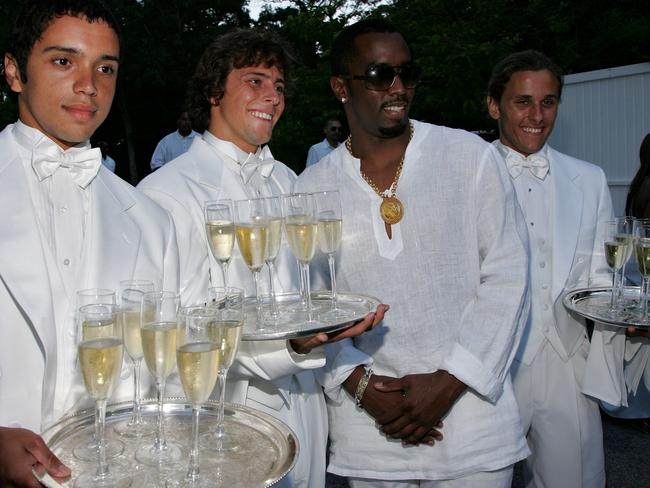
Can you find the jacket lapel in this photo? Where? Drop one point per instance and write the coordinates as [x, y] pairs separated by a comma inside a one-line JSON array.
[[112, 238], [567, 209]]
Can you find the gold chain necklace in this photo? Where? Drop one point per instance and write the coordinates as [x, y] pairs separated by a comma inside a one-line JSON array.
[[391, 209]]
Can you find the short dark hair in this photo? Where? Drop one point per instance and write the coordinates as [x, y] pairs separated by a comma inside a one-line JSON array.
[[35, 16], [343, 48], [529, 60], [236, 49]]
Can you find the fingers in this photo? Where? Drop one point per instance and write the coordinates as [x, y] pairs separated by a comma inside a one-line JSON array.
[[43, 455]]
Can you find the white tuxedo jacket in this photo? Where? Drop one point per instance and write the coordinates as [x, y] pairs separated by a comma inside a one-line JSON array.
[[265, 375], [127, 236], [579, 217]]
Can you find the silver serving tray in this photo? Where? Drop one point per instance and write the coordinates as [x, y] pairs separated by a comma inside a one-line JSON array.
[[269, 448], [293, 324], [593, 303]]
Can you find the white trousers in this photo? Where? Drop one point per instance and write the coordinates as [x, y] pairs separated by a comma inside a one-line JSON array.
[[562, 425], [501, 478]]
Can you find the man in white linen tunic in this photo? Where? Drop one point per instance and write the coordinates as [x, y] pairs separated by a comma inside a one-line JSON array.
[[453, 271]]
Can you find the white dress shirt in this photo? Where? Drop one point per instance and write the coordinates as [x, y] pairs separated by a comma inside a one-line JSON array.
[[454, 275]]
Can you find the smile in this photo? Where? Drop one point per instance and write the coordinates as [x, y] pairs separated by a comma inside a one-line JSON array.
[[262, 115], [532, 130]]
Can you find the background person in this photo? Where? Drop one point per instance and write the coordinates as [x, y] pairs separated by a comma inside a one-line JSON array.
[[638, 198], [107, 161], [333, 131], [67, 222], [173, 145]]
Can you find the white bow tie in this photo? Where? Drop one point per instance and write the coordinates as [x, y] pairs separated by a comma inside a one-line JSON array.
[[83, 165], [537, 164], [263, 164]]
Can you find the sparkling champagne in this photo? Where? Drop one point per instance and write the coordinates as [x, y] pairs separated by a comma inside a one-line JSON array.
[[628, 240], [159, 348], [273, 238], [132, 336], [252, 245], [198, 367], [221, 236], [101, 362], [226, 335], [615, 254], [642, 251], [329, 235], [301, 235], [96, 329]]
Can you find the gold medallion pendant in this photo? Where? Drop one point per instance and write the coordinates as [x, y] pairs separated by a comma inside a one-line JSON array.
[[391, 210]]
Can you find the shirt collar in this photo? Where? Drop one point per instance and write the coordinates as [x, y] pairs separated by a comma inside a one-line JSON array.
[[28, 137], [230, 150], [505, 150]]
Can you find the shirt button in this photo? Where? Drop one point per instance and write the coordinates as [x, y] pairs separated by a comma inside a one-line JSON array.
[[545, 307], [544, 287], [542, 264], [63, 209], [580, 260], [66, 262]]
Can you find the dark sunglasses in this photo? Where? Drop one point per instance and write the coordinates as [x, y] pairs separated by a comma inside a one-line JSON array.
[[381, 77]]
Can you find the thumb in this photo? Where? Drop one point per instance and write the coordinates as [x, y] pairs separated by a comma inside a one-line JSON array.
[[388, 385], [48, 459]]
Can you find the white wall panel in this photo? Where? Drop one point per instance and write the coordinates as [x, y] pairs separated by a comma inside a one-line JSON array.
[[603, 118]]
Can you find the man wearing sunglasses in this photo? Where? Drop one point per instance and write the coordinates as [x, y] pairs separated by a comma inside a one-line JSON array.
[[429, 226], [333, 131]]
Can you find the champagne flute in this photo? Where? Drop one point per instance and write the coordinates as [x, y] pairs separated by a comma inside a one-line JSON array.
[[221, 233], [618, 248], [198, 357], [251, 227], [641, 231], [626, 228], [100, 351], [158, 318], [301, 227], [226, 333], [113, 447], [131, 292], [330, 228], [273, 208]]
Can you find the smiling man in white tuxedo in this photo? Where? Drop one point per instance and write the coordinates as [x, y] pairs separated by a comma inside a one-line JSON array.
[[566, 204], [236, 96], [67, 222]]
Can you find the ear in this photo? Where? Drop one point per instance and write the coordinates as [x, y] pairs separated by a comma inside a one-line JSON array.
[[339, 88], [12, 74], [493, 108]]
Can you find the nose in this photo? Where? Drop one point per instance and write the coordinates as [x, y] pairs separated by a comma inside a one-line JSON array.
[[398, 85], [272, 95], [85, 82], [536, 113]]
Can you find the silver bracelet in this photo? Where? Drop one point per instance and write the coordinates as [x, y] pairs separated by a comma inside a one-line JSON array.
[[361, 386]]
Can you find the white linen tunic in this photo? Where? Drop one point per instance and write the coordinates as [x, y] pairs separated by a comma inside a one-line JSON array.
[[266, 374], [454, 274]]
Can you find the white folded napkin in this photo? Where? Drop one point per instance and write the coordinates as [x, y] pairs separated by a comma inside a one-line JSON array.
[[604, 376]]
